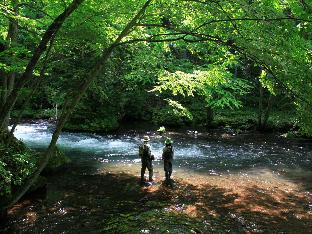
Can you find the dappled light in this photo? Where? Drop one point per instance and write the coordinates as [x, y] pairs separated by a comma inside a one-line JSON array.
[[155, 116], [100, 188], [203, 202]]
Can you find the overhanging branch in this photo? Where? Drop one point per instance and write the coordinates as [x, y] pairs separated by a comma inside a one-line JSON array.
[[252, 19]]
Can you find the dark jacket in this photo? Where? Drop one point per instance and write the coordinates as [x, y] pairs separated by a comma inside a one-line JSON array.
[[145, 152], [167, 154]]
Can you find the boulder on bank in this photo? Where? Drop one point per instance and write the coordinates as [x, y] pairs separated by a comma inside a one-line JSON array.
[[57, 160]]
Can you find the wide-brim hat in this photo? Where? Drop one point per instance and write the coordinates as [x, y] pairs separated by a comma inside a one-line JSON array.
[[146, 138], [168, 141]]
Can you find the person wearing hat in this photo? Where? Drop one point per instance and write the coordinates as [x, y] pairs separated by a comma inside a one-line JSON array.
[[146, 158], [167, 156]]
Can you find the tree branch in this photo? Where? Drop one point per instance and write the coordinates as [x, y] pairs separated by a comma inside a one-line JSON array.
[[252, 19], [151, 25], [27, 75], [72, 101], [34, 8]]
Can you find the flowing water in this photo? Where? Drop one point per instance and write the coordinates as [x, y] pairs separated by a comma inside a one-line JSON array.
[[210, 153], [256, 157]]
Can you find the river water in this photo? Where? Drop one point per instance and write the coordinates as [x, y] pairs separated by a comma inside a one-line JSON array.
[[211, 153], [202, 156]]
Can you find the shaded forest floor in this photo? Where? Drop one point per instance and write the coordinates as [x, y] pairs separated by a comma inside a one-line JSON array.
[[113, 201]]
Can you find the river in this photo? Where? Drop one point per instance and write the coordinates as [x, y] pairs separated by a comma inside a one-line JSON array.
[[224, 160]]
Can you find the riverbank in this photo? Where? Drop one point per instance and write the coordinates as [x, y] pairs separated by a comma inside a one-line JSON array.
[[112, 201], [229, 121], [17, 164]]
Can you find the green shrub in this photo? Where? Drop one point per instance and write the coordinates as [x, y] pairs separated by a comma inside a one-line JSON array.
[[16, 165], [45, 114], [248, 119], [35, 114], [104, 124], [282, 120], [5, 180], [238, 119], [304, 119], [202, 114]]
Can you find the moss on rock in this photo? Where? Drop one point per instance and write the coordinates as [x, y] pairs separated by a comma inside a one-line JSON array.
[[57, 160]]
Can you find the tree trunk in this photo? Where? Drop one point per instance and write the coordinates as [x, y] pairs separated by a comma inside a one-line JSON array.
[[27, 75], [267, 111], [72, 102], [34, 88], [9, 78], [264, 112], [260, 107], [4, 86]]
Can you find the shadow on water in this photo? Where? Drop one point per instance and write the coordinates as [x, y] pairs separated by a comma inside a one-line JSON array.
[[116, 203], [299, 176], [81, 199]]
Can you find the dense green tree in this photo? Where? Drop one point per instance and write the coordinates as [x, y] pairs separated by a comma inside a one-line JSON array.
[[27, 75], [74, 97], [273, 34]]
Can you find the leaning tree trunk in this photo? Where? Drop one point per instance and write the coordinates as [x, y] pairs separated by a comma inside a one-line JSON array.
[[73, 100], [27, 75], [34, 88]]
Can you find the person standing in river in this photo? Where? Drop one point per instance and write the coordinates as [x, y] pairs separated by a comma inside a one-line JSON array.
[[146, 159], [167, 156]]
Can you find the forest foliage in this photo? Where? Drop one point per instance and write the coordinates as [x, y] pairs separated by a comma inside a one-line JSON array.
[[188, 51], [177, 62]]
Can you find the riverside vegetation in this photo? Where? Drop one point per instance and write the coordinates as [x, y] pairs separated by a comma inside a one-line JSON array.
[[94, 65]]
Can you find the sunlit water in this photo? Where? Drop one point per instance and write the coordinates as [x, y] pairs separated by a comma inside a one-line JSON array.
[[273, 166], [203, 153]]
